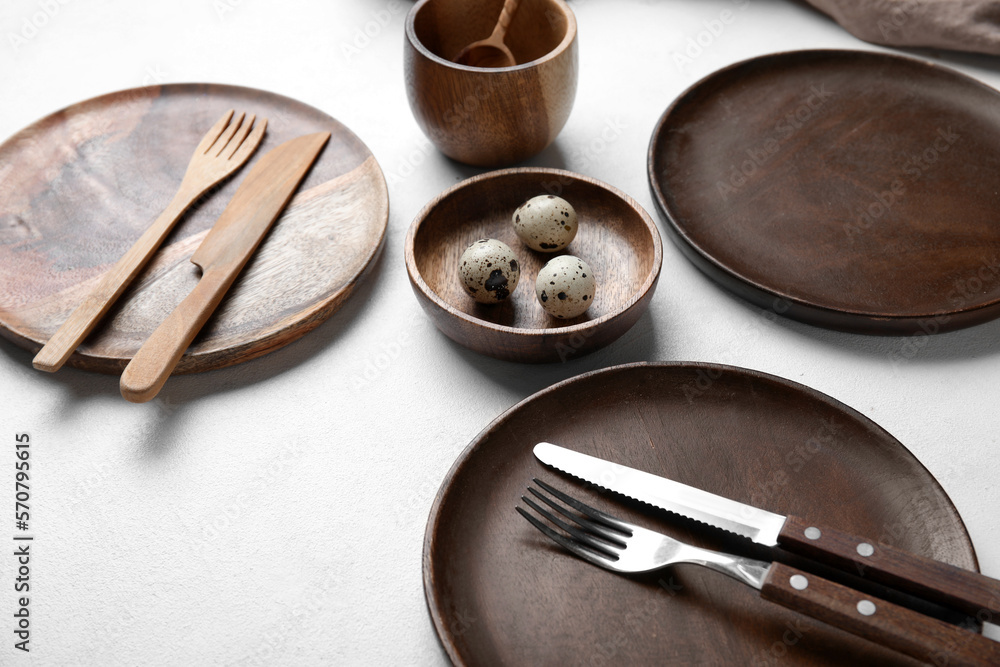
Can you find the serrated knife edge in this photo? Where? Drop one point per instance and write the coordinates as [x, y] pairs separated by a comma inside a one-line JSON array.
[[747, 521]]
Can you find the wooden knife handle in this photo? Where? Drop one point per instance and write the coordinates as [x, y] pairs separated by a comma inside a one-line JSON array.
[[970, 592], [921, 637], [152, 364]]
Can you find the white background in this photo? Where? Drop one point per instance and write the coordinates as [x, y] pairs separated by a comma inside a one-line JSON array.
[[273, 512]]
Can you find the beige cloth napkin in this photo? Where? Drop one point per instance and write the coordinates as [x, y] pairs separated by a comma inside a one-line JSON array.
[[963, 25]]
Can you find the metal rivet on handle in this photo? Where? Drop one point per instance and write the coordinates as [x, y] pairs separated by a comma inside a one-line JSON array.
[[866, 607], [865, 549], [798, 582], [812, 532]]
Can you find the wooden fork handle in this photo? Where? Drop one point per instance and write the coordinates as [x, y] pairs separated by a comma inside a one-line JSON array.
[[152, 364], [905, 631], [96, 304], [970, 592]]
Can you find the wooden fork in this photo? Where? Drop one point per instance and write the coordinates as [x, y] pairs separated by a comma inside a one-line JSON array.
[[221, 152]]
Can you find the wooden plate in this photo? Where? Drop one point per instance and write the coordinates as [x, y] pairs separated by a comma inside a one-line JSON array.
[[616, 238], [79, 186], [852, 190], [500, 593]]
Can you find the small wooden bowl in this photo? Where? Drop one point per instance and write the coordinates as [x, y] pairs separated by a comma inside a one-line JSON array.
[[616, 237], [490, 117]]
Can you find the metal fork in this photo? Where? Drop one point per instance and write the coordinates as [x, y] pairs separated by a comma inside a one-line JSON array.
[[620, 546], [222, 150]]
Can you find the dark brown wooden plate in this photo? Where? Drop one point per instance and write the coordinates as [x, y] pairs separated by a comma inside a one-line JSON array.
[[616, 237], [851, 190], [79, 186], [499, 592]]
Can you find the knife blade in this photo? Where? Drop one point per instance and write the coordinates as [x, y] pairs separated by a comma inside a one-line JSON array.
[[260, 199], [965, 590]]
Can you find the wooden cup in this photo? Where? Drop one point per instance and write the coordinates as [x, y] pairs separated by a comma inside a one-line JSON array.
[[490, 117]]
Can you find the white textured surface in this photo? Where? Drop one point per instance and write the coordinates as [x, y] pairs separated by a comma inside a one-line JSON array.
[[273, 513]]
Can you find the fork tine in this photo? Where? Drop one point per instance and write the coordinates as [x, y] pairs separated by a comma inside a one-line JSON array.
[[569, 545], [578, 534], [220, 144], [250, 143], [213, 134], [594, 527], [597, 515], [237, 140]]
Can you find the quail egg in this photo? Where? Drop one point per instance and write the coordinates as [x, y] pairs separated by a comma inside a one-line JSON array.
[[546, 223], [489, 270], [565, 287]]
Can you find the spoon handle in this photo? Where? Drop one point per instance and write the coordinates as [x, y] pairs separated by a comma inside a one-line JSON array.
[[506, 15]]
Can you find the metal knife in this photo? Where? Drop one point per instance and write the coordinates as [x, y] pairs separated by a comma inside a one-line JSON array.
[[970, 592], [258, 202]]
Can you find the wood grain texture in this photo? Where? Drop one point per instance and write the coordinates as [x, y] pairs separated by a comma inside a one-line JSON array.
[[228, 246], [492, 51], [970, 592], [490, 117], [223, 150], [850, 190], [616, 238], [499, 592], [927, 639], [83, 183]]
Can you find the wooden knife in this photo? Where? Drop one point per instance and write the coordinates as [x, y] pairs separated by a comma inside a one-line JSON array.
[[258, 202]]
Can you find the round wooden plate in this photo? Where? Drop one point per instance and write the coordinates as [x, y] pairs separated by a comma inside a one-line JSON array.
[[80, 186], [500, 592], [616, 237], [852, 190]]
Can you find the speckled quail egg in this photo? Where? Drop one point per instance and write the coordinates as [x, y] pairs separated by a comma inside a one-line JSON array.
[[565, 287], [546, 223], [489, 270]]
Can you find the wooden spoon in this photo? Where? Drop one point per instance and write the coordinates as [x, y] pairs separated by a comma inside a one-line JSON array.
[[491, 52]]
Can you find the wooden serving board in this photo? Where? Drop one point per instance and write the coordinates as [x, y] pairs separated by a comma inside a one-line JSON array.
[[78, 187], [501, 593]]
